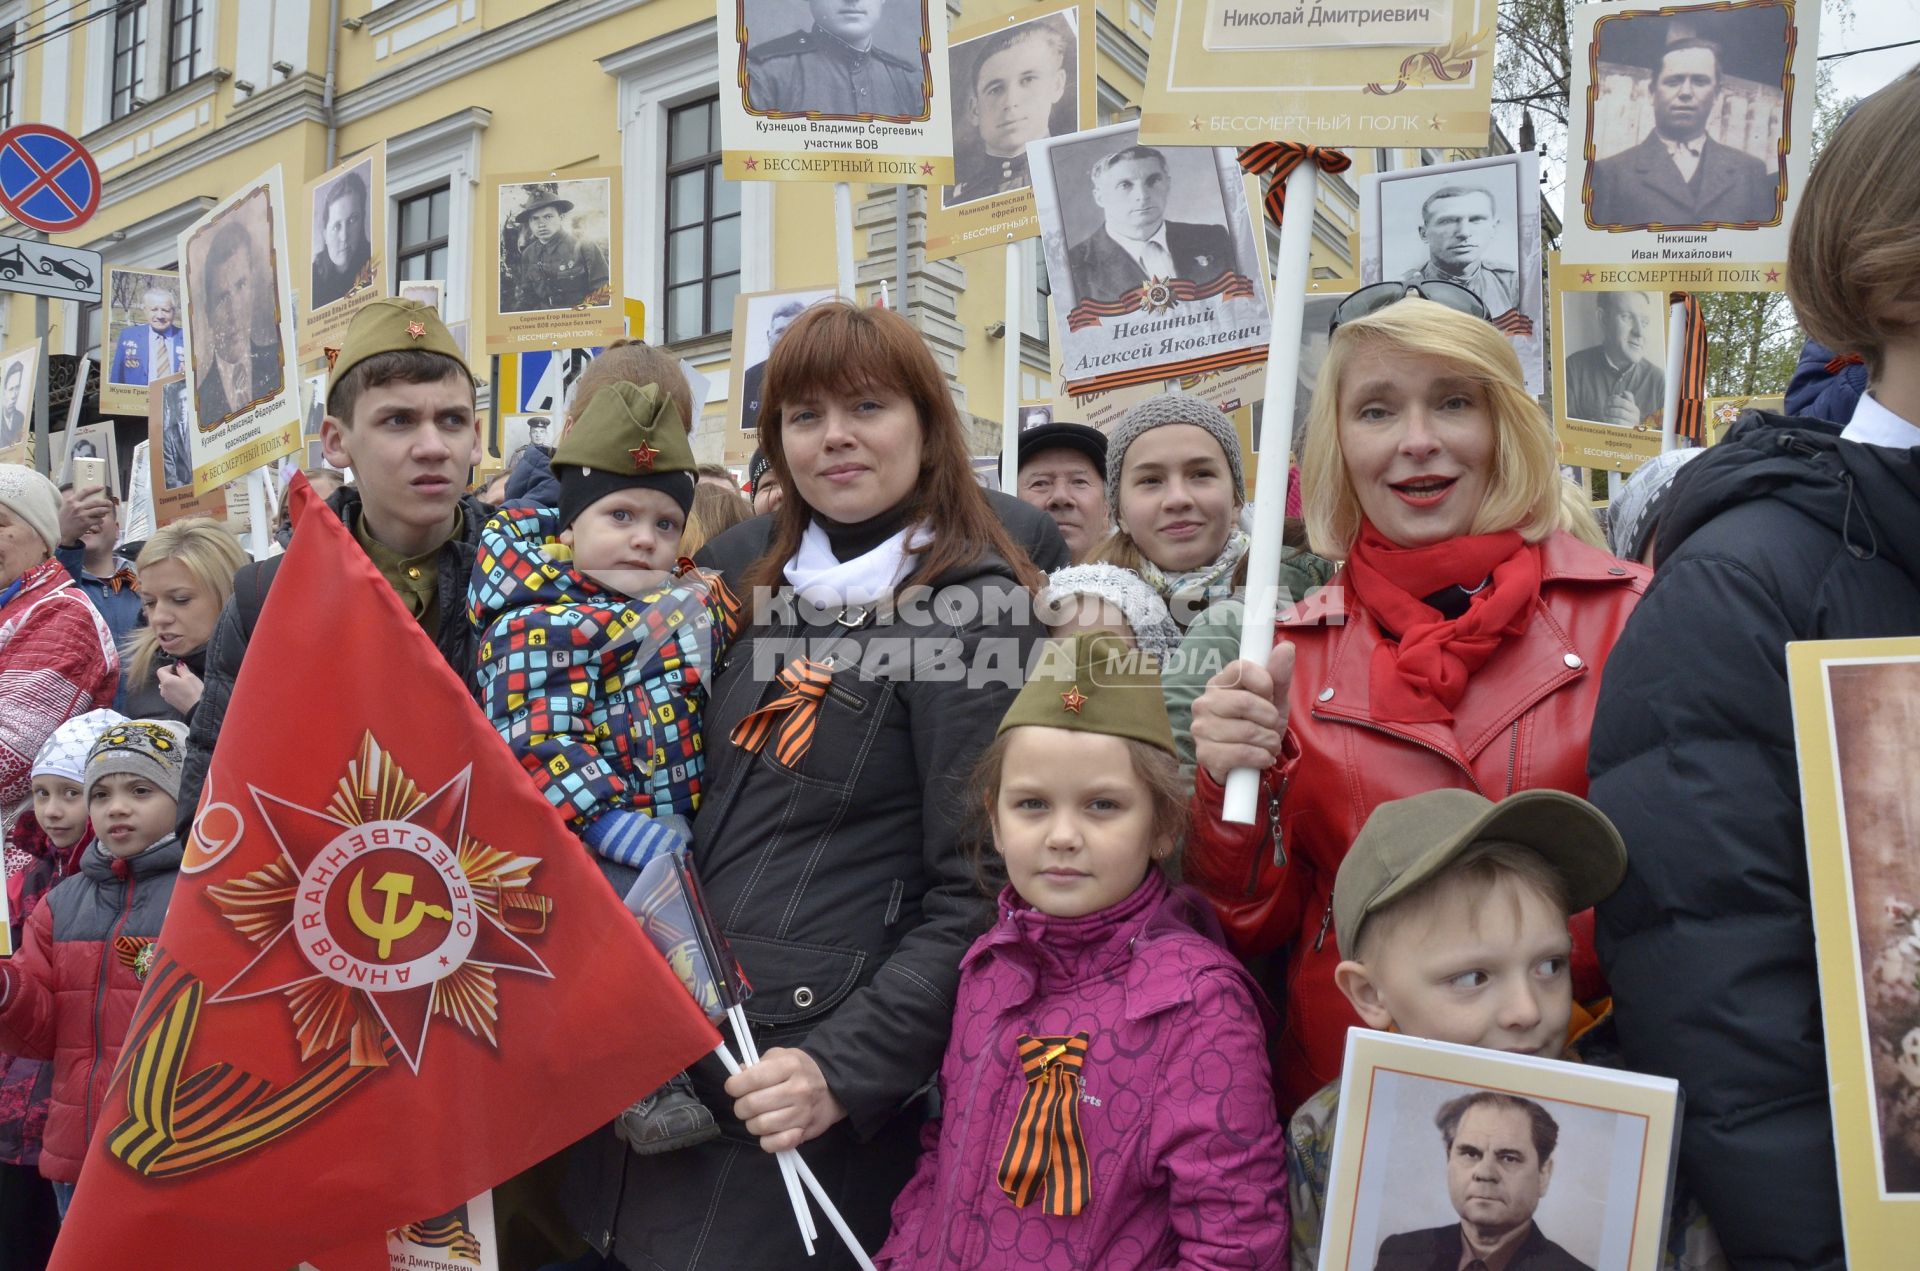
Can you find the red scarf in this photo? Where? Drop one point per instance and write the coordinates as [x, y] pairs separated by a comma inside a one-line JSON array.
[[1423, 677]]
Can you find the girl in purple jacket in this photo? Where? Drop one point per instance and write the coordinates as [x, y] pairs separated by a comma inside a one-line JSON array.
[[1105, 1096]]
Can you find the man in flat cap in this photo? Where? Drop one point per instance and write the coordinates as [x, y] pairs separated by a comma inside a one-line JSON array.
[[555, 269], [835, 68]]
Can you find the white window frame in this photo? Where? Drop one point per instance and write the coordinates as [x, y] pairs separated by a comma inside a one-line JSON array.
[[668, 71], [444, 152]]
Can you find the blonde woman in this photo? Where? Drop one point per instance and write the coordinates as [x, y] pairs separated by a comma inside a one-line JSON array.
[[186, 574], [1460, 645]]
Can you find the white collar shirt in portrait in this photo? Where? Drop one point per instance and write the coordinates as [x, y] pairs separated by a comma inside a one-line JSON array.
[[1150, 254], [1685, 154]]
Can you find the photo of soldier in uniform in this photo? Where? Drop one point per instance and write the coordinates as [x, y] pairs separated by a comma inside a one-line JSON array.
[[1688, 118], [554, 246], [17, 372], [1615, 374], [176, 447], [343, 254], [1137, 239], [843, 59], [1012, 86], [236, 323], [147, 341], [1457, 233]]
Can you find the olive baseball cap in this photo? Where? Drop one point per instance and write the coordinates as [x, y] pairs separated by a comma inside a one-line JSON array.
[[1094, 683], [387, 325], [1408, 842]]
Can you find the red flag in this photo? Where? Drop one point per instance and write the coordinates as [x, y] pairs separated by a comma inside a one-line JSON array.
[[389, 977]]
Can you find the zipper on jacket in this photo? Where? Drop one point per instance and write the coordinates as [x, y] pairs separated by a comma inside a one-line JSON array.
[[100, 994], [1513, 755], [1387, 732], [1279, 848], [1326, 920]]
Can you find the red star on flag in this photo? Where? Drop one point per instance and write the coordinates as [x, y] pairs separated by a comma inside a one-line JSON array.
[[1073, 699], [643, 456], [1773, 275], [751, 164], [1587, 276], [415, 330]]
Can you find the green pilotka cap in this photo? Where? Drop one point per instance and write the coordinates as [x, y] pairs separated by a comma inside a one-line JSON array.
[[627, 435], [1409, 842], [388, 325], [1095, 683]]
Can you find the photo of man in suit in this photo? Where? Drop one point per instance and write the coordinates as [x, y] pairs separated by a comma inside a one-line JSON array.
[[1679, 177], [1458, 223], [152, 350], [15, 403], [1137, 243], [1612, 382], [233, 367], [750, 383], [1499, 1164], [835, 67], [176, 453]]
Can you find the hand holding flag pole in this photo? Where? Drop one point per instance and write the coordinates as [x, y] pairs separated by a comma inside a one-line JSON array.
[[1295, 172]]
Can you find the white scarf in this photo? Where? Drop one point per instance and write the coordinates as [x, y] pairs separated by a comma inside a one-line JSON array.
[[824, 580]]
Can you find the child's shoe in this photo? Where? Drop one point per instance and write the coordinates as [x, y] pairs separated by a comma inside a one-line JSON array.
[[666, 1120]]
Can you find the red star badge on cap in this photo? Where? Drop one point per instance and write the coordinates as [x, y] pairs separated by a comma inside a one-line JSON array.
[[1073, 699], [643, 456], [415, 330]]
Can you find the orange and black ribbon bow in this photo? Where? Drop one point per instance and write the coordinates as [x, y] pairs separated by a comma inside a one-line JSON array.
[[122, 577], [795, 712], [1046, 1153], [1277, 159], [1690, 416], [1841, 361]]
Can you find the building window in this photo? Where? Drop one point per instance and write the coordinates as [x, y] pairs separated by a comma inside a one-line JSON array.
[[183, 41], [1140, 13], [421, 249], [6, 81], [129, 55], [703, 225]]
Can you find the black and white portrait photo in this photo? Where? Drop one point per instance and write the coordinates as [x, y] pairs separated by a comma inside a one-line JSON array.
[[1151, 255], [17, 372], [176, 447], [342, 236], [1616, 359], [88, 441], [1687, 117], [234, 311], [1454, 1173], [555, 245], [763, 319], [1013, 85], [842, 59]]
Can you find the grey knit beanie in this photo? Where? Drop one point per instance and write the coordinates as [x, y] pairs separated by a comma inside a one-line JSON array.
[[152, 748], [1146, 612], [1171, 408]]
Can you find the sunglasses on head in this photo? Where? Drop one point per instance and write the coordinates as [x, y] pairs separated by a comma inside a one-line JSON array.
[[1371, 300]]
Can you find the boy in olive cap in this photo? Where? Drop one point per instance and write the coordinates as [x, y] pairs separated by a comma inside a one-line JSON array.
[[595, 649], [400, 416], [69, 994]]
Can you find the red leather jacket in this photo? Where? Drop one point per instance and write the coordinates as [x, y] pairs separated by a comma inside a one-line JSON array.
[[1523, 724]]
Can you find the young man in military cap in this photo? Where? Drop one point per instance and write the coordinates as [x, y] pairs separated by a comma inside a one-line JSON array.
[[835, 67], [556, 270], [400, 415], [596, 649]]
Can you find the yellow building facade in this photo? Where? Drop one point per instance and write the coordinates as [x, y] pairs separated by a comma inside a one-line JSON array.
[[183, 101]]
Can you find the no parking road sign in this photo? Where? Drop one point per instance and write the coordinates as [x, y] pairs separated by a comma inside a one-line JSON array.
[[47, 179]]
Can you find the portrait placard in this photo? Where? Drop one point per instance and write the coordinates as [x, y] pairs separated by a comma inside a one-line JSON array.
[[1475, 224], [1017, 78], [1153, 255], [759, 319], [141, 336], [1689, 134], [520, 431], [1609, 372], [19, 368], [1856, 711], [431, 292], [170, 456], [244, 403], [1586, 1157], [1235, 72], [558, 257], [833, 90], [346, 218], [88, 441]]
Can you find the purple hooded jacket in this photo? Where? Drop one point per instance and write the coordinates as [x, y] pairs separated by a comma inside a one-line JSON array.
[[1186, 1158]]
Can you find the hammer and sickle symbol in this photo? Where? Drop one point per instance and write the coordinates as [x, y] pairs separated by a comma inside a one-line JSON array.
[[391, 926]]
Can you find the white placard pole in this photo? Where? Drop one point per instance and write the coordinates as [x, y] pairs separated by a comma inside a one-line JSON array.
[[1017, 274], [843, 238], [1275, 453], [1676, 359], [259, 514]]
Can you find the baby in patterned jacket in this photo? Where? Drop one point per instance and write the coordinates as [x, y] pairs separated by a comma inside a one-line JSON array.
[[596, 642]]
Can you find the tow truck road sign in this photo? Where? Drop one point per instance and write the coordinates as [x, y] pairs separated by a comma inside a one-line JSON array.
[[45, 269], [48, 181]]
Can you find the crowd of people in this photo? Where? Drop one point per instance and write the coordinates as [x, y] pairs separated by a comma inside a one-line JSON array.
[[949, 765]]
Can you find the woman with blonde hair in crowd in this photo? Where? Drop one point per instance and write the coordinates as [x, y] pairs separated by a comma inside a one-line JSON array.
[[1460, 645], [186, 574]]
